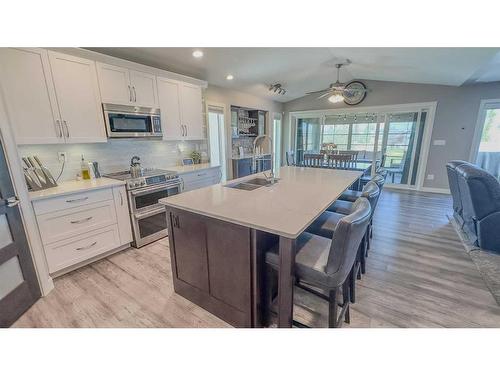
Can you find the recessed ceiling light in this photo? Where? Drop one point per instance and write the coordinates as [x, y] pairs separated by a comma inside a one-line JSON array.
[[197, 53], [229, 77]]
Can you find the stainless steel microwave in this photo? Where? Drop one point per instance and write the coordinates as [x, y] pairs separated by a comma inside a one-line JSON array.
[[123, 121]]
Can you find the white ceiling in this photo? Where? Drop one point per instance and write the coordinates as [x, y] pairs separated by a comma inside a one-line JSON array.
[[300, 70]]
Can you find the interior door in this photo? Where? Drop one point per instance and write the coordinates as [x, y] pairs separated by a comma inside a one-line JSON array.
[[19, 287], [401, 146], [168, 95], [30, 95], [114, 83], [78, 97], [143, 89], [191, 110]]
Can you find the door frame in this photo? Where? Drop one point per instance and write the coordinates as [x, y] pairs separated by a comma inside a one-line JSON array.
[[224, 140], [431, 108], [26, 209], [478, 130]]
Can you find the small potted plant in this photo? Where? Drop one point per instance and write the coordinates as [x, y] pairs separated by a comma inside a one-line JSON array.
[[196, 156]]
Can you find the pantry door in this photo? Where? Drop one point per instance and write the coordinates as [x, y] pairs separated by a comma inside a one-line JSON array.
[[19, 287]]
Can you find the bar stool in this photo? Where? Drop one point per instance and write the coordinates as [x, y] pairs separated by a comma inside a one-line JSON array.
[[322, 265]]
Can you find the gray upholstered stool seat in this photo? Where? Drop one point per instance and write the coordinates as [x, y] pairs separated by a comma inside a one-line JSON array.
[[310, 259], [325, 224], [341, 206], [350, 195]]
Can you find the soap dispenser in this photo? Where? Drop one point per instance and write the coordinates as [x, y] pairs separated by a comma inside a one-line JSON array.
[[85, 169]]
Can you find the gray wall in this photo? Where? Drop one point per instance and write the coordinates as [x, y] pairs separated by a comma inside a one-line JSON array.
[[455, 119]]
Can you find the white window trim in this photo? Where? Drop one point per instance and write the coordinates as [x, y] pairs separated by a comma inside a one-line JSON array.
[[478, 131]]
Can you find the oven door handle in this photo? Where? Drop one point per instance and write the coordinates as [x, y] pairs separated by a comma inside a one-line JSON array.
[[150, 213], [147, 190]]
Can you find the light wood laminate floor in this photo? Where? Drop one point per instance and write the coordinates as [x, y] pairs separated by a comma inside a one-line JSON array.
[[418, 275]]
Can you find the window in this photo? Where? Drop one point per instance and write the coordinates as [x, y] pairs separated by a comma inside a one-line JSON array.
[[338, 134]]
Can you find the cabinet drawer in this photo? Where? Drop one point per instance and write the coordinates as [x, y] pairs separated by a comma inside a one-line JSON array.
[[66, 253], [72, 200], [201, 174], [60, 225]]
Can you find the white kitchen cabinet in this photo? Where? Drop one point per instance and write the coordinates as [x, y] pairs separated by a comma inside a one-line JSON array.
[[77, 228], [122, 214], [200, 178], [144, 89], [170, 109], [191, 110], [114, 83], [181, 110], [78, 97], [125, 86], [30, 95]]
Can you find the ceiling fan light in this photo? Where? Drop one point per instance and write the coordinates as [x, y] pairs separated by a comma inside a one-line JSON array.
[[336, 98]]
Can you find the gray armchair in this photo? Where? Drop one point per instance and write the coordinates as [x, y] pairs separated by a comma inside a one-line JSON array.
[[480, 199], [454, 189]]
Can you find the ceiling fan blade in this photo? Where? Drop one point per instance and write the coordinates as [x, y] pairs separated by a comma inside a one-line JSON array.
[[317, 92], [325, 94]]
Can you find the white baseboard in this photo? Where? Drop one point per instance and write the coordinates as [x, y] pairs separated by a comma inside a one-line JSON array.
[[435, 190]]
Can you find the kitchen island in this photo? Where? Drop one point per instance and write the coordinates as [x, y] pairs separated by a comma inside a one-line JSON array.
[[218, 236]]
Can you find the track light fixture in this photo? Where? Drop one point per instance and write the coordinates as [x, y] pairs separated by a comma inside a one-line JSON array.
[[277, 89]]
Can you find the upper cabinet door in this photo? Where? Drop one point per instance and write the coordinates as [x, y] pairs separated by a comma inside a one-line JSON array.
[[143, 89], [168, 95], [114, 82], [78, 97], [30, 96], [191, 110]]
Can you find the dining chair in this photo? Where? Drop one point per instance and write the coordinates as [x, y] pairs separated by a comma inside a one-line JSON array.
[[313, 160], [339, 161], [323, 265], [353, 156]]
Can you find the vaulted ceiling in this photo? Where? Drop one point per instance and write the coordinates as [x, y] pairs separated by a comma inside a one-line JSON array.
[[300, 70]]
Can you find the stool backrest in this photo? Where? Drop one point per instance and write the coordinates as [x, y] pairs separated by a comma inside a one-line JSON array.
[[347, 239], [371, 192], [379, 180]]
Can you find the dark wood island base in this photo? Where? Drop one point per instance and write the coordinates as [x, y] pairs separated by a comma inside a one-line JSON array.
[[217, 265]]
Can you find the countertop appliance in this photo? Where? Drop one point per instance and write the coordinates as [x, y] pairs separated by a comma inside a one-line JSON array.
[[125, 121], [148, 218]]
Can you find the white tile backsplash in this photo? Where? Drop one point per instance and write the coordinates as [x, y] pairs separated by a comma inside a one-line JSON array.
[[114, 155]]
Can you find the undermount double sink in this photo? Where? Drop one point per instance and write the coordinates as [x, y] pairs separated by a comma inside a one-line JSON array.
[[251, 184]]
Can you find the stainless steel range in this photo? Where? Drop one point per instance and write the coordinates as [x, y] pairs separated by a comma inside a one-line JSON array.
[[148, 218]]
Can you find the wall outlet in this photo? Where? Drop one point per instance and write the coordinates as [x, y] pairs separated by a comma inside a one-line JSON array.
[[430, 177], [62, 156], [439, 142]]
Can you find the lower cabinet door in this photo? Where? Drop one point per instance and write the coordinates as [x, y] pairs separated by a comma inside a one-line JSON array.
[[189, 234], [229, 263]]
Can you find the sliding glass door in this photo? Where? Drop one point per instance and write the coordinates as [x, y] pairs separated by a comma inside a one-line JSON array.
[[393, 140], [401, 144]]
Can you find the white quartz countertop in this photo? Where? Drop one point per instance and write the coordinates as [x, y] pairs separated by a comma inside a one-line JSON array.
[[71, 187], [181, 169], [286, 208]]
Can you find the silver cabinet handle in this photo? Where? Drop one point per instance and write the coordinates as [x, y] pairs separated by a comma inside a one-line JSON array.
[[121, 199], [12, 202], [82, 220], [129, 94], [182, 131], [77, 200], [86, 247], [66, 127], [58, 127], [135, 94], [185, 127]]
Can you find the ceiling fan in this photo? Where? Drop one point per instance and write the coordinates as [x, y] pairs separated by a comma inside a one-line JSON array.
[[351, 93]]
